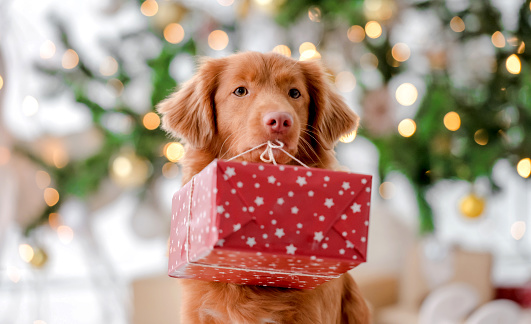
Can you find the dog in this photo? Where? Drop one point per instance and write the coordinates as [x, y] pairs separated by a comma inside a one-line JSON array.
[[236, 103]]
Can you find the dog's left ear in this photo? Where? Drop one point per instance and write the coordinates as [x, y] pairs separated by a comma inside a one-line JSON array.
[[330, 117], [190, 112]]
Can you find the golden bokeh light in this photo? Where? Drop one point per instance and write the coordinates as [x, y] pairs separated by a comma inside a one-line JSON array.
[[70, 59], [226, 3], [401, 52], [345, 81], [356, 34], [452, 121], [13, 273], [174, 151], [306, 46], [457, 24], [149, 8], [30, 106], [151, 120], [407, 127], [513, 64], [43, 179], [109, 66], [26, 252], [218, 40], [51, 196], [1, 82], [54, 220], [498, 39], [518, 230], [282, 49], [481, 137], [170, 170], [65, 234], [60, 157], [373, 29], [122, 166], [524, 167], [310, 55], [47, 50], [387, 190], [521, 48], [348, 138], [5, 155], [368, 61], [406, 94], [472, 206], [174, 33]]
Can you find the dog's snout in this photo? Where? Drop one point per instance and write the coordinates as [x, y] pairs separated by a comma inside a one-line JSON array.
[[278, 122]]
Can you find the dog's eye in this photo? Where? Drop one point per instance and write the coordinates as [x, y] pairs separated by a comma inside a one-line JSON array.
[[240, 91], [294, 93]]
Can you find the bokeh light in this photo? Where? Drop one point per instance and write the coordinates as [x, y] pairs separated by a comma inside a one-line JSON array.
[[1, 82], [149, 8], [218, 40], [524, 167], [498, 39], [109, 66], [70, 59], [348, 138], [122, 166], [518, 230], [368, 61], [314, 13], [373, 29], [151, 120], [42, 179], [452, 121], [407, 127], [174, 151], [356, 34], [513, 64], [26, 252], [282, 49], [54, 220], [65, 234], [174, 33], [51, 196], [406, 94], [30, 106], [345, 81], [13, 273], [47, 50], [481, 137], [401, 52], [307, 46], [225, 3], [387, 190], [5, 155], [170, 170], [457, 24]]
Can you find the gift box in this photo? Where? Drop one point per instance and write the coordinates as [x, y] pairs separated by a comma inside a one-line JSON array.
[[269, 225]]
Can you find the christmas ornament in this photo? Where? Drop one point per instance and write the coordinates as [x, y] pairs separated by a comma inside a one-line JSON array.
[[472, 206]]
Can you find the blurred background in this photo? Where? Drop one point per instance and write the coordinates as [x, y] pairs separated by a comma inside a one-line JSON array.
[[87, 175]]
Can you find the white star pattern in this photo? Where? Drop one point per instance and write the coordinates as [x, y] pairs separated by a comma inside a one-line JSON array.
[[259, 201], [301, 181], [221, 209], [251, 241], [236, 227], [239, 184], [327, 178], [318, 236], [346, 185], [280, 201], [310, 193], [230, 172], [220, 242], [364, 181], [299, 225], [356, 208], [290, 249], [294, 210], [329, 202], [279, 232], [349, 245], [271, 179]]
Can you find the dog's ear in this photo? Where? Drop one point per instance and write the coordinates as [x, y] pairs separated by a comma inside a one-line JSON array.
[[330, 116], [190, 112]]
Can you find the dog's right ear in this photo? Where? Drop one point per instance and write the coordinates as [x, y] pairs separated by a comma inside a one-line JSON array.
[[190, 112]]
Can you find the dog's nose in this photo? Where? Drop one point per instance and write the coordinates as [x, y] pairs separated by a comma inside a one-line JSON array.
[[278, 122]]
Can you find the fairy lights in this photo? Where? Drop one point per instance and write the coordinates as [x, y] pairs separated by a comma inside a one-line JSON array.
[[406, 94], [282, 49], [457, 24], [47, 50], [401, 52], [174, 33], [407, 127], [42, 179], [26, 252], [151, 120], [345, 81], [481, 137], [174, 151], [149, 8], [498, 39], [65, 234], [452, 121], [518, 230], [348, 138], [356, 34], [51, 196], [109, 66], [70, 59], [30, 106], [218, 40], [524, 167], [513, 64], [373, 29]]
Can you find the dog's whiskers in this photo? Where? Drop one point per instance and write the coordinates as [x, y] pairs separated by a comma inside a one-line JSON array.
[[221, 148]]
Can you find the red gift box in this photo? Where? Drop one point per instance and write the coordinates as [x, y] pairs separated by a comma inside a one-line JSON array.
[[269, 225]]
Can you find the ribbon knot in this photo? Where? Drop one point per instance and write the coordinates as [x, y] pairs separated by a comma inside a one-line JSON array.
[[267, 155]]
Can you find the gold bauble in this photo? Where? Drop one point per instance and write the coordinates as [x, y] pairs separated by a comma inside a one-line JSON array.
[[169, 12], [39, 258], [129, 170], [472, 206]]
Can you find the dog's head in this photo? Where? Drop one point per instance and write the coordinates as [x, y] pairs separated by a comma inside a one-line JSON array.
[[238, 102]]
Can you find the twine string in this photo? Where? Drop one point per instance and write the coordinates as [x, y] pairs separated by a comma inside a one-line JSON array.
[[267, 155]]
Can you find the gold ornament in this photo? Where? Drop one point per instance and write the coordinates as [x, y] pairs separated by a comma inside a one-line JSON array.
[[129, 170], [39, 258], [472, 206]]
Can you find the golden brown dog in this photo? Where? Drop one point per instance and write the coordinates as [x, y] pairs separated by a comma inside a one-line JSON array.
[[236, 103]]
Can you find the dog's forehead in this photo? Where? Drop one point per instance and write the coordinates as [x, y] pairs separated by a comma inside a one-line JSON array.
[[265, 69]]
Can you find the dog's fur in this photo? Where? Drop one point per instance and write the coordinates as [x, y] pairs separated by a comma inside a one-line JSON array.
[[217, 123]]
